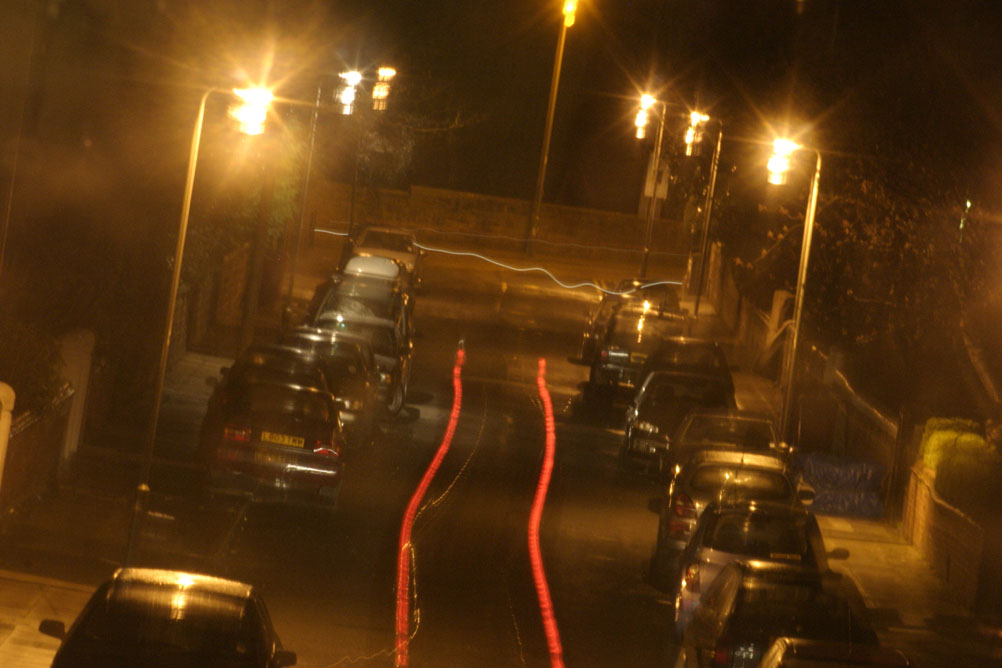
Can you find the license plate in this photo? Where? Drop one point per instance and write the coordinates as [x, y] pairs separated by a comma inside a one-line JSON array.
[[283, 439]]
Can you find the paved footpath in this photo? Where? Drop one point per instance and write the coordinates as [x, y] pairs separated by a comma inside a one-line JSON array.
[[25, 600]]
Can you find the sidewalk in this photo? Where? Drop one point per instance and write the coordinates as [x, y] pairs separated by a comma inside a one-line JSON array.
[[25, 601]]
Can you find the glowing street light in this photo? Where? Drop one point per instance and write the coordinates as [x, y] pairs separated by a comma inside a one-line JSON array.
[[779, 161], [347, 95], [251, 115], [646, 101], [252, 111], [694, 133], [381, 91], [778, 166], [570, 8]]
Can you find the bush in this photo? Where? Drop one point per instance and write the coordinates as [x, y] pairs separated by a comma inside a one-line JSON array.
[[30, 363], [972, 482], [943, 436]]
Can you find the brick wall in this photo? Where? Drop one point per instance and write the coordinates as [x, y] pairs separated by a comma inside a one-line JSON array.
[[951, 542]]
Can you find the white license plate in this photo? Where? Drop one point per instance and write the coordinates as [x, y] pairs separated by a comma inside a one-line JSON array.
[[283, 439]]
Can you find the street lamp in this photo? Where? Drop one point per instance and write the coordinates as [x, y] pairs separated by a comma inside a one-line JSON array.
[[569, 11], [646, 103], [251, 115], [698, 119], [779, 166]]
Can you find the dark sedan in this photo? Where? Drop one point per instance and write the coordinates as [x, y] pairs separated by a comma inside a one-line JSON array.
[[275, 439], [149, 618], [662, 402]]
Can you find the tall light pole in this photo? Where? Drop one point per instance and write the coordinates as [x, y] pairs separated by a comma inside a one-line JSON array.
[[647, 102], [707, 205], [569, 10], [779, 165], [251, 116]]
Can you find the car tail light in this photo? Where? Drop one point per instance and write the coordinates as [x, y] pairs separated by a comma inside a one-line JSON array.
[[238, 434], [326, 447], [681, 514], [604, 354], [691, 581], [722, 655]]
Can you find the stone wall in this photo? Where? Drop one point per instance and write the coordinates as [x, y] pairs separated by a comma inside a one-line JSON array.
[[448, 211], [951, 542]]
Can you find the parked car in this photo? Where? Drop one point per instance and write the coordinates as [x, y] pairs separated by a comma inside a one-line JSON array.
[[789, 652], [391, 344], [723, 476], [726, 427], [154, 618], [762, 530], [274, 438], [685, 353], [366, 295], [752, 602], [350, 369], [662, 297], [660, 405], [392, 243], [374, 268], [631, 336]]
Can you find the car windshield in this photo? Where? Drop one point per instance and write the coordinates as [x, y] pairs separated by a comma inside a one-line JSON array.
[[754, 434], [380, 336], [741, 482], [759, 535], [337, 304], [387, 240]]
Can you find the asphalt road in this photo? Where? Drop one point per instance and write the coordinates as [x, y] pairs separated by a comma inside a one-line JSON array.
[[329, 577]]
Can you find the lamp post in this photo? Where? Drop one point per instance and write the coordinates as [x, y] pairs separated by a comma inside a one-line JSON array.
[[707, 205], [569, 10], [251, 115], [779, 165], [646, 103]]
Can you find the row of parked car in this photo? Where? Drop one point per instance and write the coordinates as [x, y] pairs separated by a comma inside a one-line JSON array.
[[282, 415], [737, 549]]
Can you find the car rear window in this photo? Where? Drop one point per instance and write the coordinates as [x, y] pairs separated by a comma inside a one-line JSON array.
[[704, 392], [643, 331], [760, 535], [754, 434], [767, 609], [689, 356], [741, 483], [266, 398], [387, 240]]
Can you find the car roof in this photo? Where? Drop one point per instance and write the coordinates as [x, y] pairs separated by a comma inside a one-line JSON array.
[[191, 582], [839, 653], [372, 265], [357, 318], [691, 341]]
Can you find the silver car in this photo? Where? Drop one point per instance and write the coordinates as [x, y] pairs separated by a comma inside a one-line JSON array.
[[761, 530], [717, 475]]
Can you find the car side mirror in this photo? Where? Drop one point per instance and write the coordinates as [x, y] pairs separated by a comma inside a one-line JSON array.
[[284, 657], [838, 554], [52, 627]]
